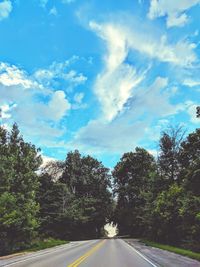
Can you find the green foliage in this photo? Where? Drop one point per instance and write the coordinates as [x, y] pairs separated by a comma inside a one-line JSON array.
[[19, 162], [131, 179], [160, 199], [46, 243], [78, 203], [166, 210]]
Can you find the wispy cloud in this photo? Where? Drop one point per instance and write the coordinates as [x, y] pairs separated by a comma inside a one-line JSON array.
[[191, 82], [5, 9], [129, 128], [60, 71], [119, 79], [114, 85], [53, 11], [78, 101], [43, 3], [174, 10], [68, 1], [155, 46], [191, 107]]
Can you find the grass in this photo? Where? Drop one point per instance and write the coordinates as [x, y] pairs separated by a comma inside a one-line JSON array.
[[183, 252], [35, 246], [47, 243]]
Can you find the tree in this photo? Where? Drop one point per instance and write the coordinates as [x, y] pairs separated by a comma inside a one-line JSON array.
[[77, 203], [19, 162], [89, 181], [72, 175], [166, 214], [190, 162], [168, 160], [131, 181], [54, 200], [190, 175]]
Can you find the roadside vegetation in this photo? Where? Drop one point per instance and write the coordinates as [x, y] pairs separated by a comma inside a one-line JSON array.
[[180, 251], [46, 243], [154, 198], [66, 200], [159, 198]]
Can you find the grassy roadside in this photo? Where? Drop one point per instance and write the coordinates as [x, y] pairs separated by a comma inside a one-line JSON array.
[[183, 252], [35, 246], [47, 243]]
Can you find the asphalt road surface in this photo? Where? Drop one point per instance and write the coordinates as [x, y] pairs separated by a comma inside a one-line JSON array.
[[95, 253]]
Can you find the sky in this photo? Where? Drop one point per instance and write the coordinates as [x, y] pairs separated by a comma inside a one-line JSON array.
[[102, 77]]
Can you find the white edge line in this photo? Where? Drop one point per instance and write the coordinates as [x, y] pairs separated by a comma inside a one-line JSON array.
[[36, 256], [30, 258], [141, 255]]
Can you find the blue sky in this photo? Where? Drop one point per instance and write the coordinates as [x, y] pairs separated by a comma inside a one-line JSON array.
[[99, 76]]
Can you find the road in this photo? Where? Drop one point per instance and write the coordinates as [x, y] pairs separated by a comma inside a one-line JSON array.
[[94, 253]]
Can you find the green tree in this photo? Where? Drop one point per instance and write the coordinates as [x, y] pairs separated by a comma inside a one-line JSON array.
[[166, 213], [131, 184], [77, 203], [54, 200], [190, 175], [89, 181], [168, 160], [19, 162]]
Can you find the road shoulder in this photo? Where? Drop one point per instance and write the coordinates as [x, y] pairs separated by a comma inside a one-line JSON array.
[[162, 257]]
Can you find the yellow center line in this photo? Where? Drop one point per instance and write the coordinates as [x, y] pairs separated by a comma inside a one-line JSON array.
[[86, 255]]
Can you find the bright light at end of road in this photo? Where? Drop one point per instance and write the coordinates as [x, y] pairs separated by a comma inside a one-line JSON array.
[[111, 229]]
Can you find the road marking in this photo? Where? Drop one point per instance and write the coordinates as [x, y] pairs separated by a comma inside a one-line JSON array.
[[141, 255], [41, 253], [86, 255]]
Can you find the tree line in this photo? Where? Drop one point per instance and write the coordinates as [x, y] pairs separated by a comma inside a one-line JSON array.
[[154, 198], [159, 199], [66, 200]]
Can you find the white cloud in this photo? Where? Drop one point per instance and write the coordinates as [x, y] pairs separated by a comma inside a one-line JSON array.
[[53, 11], [68, 1], [43, 3], [119, 79], [122, 38], [115, 40], [46, 160], [128, 129], [115, 88], [31, 104], [173, 20], [74, 77], [5, 9], [58, 106], [115, 84], [153, 152], [4, 111], [78, 101], [157, 98], [174, 10], [191, 110], [181, 53], [191, 82], [11, 75], [60, 70], [78, 97], [111, 137]]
